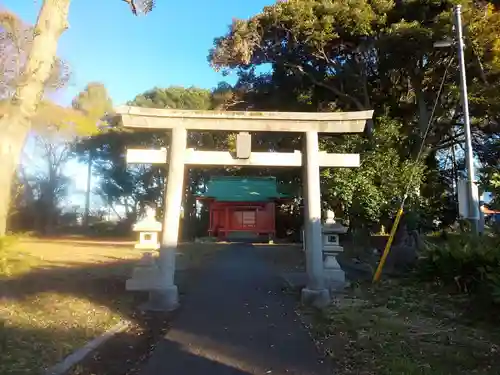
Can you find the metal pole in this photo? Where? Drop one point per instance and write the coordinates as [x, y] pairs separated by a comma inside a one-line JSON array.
[[469, 156]]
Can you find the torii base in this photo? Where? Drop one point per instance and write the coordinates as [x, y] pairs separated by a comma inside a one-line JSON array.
[[164, 300], [315, 297]]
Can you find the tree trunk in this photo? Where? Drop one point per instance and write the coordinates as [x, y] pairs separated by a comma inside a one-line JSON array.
[[87, 192], [9, 155], [15, 124]]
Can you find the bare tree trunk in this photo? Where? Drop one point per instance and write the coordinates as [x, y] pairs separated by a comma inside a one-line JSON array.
[[15, 124]]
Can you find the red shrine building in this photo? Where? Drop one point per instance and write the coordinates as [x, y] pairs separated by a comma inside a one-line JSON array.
[[242, 207]]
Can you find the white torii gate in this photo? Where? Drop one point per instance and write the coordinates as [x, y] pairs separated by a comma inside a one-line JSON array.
[[311, 159]]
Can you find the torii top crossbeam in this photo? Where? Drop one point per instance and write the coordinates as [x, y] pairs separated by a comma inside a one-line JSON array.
[[322, 122]]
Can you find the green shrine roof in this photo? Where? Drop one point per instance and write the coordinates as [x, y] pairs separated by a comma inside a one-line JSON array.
[[242, 189]]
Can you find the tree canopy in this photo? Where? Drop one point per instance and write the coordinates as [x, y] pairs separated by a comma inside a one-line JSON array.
[[317, 55]]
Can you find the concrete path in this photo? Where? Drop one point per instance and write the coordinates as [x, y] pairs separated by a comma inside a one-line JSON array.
[[236, 321]]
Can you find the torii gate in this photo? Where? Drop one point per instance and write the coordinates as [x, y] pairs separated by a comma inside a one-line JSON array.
[[311, 159]]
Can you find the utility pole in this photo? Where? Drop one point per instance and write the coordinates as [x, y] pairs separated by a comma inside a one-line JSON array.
[[473, 199]]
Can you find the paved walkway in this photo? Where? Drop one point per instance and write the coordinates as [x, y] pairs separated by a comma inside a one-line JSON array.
[[235, 322]]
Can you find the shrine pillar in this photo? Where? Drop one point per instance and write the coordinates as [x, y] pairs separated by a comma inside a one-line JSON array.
[[168, 298], [315, 291]]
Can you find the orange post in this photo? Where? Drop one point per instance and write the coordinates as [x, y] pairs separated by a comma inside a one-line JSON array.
[[387, 249]]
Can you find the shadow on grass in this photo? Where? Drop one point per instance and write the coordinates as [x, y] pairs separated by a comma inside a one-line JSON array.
[[119, 357], [28, 347], [239, 274]]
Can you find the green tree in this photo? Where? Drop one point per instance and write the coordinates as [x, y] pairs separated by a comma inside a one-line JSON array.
[[94, 103], [372, 193], [351, 55], [174, 97], [44, 184], [46, 154], [133, 186]]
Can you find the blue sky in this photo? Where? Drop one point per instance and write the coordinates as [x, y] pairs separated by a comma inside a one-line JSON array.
[[129, 54]]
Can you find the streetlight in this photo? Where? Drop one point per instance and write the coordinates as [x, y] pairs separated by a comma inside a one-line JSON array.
[[473, 198]]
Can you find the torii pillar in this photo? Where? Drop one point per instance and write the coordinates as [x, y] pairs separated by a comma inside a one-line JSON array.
[[311, 159], [315, 291], [168, 297]]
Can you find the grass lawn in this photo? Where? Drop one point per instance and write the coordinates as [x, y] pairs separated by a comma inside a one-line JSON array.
[[57, 295], [400, 327], [404, 328]]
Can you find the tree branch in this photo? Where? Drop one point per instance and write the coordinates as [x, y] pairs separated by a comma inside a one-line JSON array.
[[331, 88]]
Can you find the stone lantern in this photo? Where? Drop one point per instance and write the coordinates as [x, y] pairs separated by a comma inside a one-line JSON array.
[[146, 276], [331, 230], [149, 229]]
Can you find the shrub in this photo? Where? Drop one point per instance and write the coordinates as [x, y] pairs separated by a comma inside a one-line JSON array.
[[471, 263], [110, 229]]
